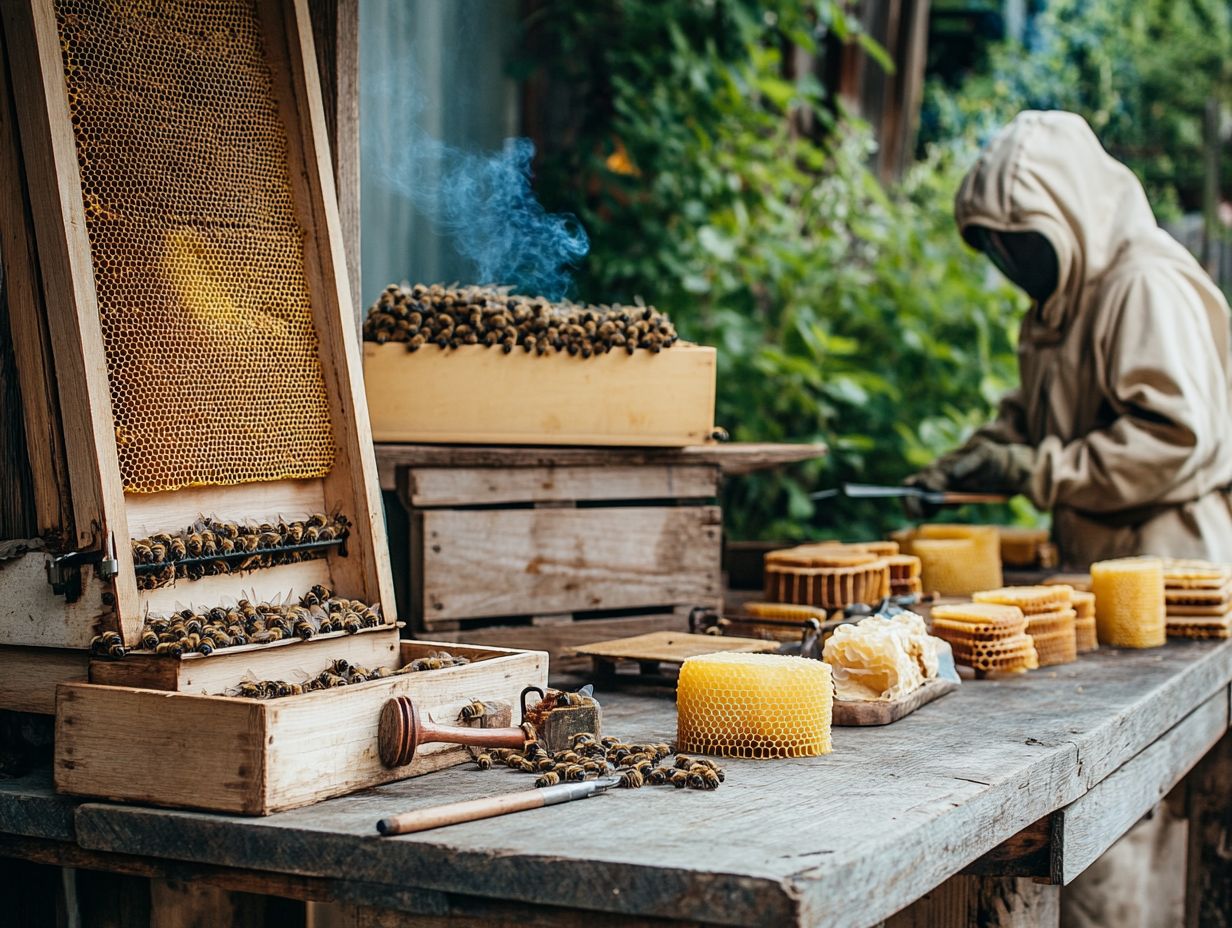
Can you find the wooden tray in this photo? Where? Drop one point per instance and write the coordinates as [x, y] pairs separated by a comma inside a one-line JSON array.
[[650, 650], [475, 395], [852, 712], [252, 756]]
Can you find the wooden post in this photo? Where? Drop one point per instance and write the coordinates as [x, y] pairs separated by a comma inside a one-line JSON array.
[[988, 901], [335, 31], [1208, 883]]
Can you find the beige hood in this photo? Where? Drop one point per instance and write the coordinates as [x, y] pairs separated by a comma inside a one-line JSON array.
[[1047, 173]]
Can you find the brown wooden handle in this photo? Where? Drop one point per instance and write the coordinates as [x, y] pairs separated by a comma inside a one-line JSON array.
[[401, 730], [960, 499], [468, 811]]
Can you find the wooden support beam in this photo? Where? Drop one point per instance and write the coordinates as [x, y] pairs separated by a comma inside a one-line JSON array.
[[1208, 883], [987, 901]]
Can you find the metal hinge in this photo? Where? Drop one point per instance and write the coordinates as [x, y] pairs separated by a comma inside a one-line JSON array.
[[64, 570]]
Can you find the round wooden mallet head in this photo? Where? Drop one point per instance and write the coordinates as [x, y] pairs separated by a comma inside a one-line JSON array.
[[401, 730]]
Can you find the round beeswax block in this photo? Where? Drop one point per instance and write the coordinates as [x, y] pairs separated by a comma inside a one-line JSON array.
[[1129, 602], [754, 705]]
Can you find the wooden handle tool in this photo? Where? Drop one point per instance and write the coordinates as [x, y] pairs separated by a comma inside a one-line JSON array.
[[472, 810], [401, 730]]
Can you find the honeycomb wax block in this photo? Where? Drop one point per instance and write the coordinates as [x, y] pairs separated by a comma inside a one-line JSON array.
[[1083, 604], [1020, 547], [754, 705], [944, 565], [1129, 602], [983, 568], [1085, 636], [1030, 599], [881, 658]]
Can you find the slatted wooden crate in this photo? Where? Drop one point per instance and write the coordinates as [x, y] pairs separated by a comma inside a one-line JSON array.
[[252, 757], [554, 556]]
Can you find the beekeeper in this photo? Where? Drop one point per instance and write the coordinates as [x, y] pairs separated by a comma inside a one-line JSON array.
[[1121, 418], [1120, 422]]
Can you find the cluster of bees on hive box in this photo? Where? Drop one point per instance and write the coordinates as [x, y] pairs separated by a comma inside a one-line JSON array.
[[204, 631], [451, 317], [342, 673], [215, 546]]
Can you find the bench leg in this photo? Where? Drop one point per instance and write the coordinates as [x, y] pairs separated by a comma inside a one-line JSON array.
[[987, 901], [1208, 880]]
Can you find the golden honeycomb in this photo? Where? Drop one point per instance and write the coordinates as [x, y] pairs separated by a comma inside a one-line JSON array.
[[881, 658], [1083, 603], [986, 636], [1032, 600], [1022, 547], [1129, 602], [828, 587], [786, 612], [1085, 636], [198, 255], [979, 568], [754, 705]]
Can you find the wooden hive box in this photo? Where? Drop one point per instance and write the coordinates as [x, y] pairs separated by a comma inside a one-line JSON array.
[[254, 757], [553, 556], [474, 395]]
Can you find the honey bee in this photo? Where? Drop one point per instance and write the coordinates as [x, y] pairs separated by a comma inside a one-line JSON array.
[[608, 741], [293, 532], [575, 773], [545, 763], [227, 530], [250, 689], [551, 778], [679, 778], [703, 777], [339, 666], [149, 639], [710, 765], [269, 539], [683, 762], [304, 629], [331, 680], [352, 623], [583, 738], [381, 673], [108, 644], [142, 553], [484, 761], [631, 779], [474, 710], [514, 760], [170, 648], [176, 549], [359, 674], [527, 765], [567, 757], [631, 760], [658, 776]]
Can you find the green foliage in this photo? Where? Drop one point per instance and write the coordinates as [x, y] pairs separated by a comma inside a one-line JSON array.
[[739, 200], [1140, 71]]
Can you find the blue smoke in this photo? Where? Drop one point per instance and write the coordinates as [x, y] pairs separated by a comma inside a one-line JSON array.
[[438, 75]]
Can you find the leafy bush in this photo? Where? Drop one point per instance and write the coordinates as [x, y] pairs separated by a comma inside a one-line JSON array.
[[740, 202], [1140, 71]]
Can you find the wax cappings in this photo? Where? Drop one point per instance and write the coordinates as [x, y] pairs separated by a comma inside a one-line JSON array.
[[881, 658]]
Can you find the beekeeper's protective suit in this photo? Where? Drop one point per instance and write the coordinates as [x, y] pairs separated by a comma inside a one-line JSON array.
[[1121, 421], [1122, 418]]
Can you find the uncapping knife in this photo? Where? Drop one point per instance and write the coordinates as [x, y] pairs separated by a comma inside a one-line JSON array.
[[472, 810], [936, 497]]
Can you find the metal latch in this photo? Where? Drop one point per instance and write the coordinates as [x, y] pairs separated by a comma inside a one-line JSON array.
[[64, 570]]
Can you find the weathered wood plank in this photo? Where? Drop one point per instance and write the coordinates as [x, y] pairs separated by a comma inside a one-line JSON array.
[[31, 614], [1087, 827], [1208, 879], [441, 486], [29, 676], [30, 807], [289, 659], [352, 481], [517, 562], [262, 502], [1028, 853], [919, 799], [733, 459]]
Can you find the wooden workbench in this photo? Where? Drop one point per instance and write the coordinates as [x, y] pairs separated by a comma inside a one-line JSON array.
[[1033, 776]]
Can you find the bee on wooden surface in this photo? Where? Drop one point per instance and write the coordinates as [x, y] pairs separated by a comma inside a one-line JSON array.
[[473, 710], [270, 539], [340, 666], [684, 761], [710, 765], [176, 549], [661, 751], [583, 738], [678, 778], [551, 778], [658, 776], [352, 623], [250, 689], [381, 673], [499, 755], [169, 648], [149, 639], [142, 553], [574, 772], [631, 779], [108, 644], [609, 742], [632, 760], [331, 680], [226, 529], [484, 761], [359, 674], [303, 628], [702, 777], [567, 757], [514, 760], [545, 763], [527, 766]]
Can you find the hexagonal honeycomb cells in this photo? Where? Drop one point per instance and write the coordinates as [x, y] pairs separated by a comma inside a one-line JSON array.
[[198, 256], [754, 705]]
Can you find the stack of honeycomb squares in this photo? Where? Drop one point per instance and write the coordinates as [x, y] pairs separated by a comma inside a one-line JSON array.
[[986, 637], [1199, 599], [1084, 621], [1050, 618]]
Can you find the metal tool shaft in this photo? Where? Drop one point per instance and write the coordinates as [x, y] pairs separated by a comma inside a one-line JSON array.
[[472, 810]]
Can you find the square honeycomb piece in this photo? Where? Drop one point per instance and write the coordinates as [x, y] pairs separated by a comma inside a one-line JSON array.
[[1030, 599], [1085, 637]]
